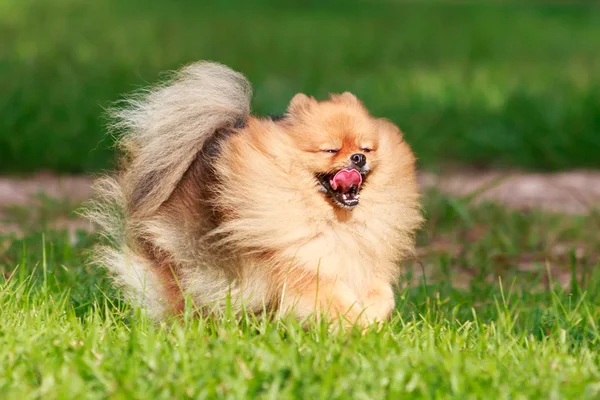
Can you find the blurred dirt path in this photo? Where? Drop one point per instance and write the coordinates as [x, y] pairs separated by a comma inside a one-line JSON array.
[[576, 192], [25, 191]]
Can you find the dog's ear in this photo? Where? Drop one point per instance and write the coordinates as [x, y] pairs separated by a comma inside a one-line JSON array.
[[345, 98], [300, 103]]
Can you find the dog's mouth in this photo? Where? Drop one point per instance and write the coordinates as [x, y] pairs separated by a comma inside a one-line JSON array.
[[342, 187]]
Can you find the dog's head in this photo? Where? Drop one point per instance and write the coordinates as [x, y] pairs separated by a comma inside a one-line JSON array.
[[338, 142]]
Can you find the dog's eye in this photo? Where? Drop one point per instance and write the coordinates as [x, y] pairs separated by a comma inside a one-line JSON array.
[[331, 151], [366, 150]]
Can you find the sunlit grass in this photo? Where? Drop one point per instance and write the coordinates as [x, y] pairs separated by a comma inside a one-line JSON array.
[[505, 332]]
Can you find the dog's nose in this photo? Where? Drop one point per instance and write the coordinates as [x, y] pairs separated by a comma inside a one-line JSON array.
[[358, 159]]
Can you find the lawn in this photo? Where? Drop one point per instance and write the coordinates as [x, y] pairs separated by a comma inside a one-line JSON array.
[[500, 305], [481, 84]]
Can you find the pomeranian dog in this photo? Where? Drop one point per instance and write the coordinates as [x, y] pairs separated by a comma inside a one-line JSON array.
[[309, 213]]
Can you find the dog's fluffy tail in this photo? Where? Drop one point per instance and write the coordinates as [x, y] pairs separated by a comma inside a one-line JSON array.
[[161, 130]]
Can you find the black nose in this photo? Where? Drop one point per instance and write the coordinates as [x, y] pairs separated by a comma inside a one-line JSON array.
[[358, 159]]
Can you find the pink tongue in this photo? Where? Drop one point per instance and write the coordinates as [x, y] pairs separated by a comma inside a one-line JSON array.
[[345, 179]]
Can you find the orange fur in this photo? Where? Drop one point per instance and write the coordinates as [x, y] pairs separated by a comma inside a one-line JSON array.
[[251, 222]]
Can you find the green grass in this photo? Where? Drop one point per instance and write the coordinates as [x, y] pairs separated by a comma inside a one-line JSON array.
[[484, 84], [506, 332]]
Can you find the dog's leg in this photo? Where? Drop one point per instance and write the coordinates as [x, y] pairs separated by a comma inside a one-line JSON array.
[[379, 302], [323, 298]]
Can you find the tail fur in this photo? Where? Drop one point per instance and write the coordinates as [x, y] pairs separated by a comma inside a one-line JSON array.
[[164, 128], [161, 130]]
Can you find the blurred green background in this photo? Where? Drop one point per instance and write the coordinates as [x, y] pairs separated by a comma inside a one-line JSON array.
[[492, 85]]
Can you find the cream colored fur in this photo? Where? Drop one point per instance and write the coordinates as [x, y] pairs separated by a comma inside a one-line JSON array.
[[167, 126]]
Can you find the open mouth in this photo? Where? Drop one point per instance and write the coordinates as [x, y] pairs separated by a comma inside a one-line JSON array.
[[342, 187]]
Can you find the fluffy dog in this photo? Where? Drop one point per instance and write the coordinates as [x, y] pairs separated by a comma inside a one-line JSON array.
[[309, 213]]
